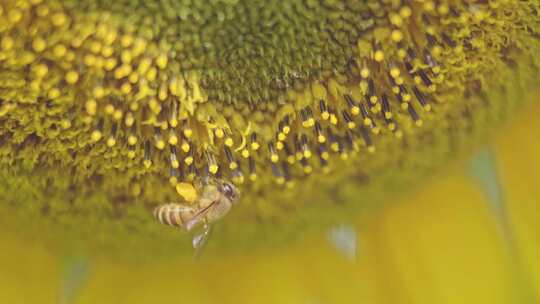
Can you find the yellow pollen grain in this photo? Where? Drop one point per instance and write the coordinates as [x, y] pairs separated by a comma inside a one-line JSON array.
[[397, 35], [286, 129], [95, 47], [59, 50], [111, 141], [173, 140], [109, 109], [107, 51], [110, 64], [7, 43], [58, 19], [396, 19], [185, 147], [405, 11], [219, 133], [125, 88], [14, 15], [39, 44], [132, 140], [161, 61], [333, 119], [65, 124], [95, 136], [378, 56], [126, 40], [41, 70], [54, 93], [160, 144], [72, 77], [147, 163], [394, 72], [117, 115], [364, 73], [42, 10], [91, 107]]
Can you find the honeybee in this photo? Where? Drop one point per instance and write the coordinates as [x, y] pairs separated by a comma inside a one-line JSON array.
[[215, 198]]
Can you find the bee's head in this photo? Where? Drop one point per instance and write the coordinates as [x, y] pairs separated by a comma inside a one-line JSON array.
[[230, 191]]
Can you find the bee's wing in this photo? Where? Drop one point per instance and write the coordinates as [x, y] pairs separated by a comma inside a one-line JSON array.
[[199, 240], [197, 218]]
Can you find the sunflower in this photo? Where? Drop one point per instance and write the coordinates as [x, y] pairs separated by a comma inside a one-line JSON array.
[[313, 109]]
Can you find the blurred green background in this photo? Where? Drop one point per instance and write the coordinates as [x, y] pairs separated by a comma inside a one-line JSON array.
[[469, 235]]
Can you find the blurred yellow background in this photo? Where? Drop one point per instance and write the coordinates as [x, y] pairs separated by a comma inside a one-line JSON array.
[[461, 238]]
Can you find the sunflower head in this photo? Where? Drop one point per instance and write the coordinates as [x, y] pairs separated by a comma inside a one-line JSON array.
[[107, 110]]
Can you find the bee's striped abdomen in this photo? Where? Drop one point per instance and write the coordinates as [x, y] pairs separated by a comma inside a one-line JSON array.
[[173, 214]]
